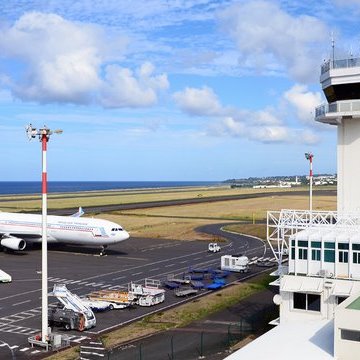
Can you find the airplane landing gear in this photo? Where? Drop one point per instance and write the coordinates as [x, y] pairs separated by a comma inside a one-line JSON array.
[[103, 250]]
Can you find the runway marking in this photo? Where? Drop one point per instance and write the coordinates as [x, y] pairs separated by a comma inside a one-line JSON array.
[[139, 273], [24, 349], [105, 286], [118, 278], [92, 353], [93, 284], [81, 338], [92, 347], [116, 287], [18, 330], [23, 302], [131, 258], [170, 265]]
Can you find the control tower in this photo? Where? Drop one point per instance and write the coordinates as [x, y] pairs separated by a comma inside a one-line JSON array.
[[340, 80]]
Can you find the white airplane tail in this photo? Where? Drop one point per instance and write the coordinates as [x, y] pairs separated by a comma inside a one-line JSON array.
[[79, 213]]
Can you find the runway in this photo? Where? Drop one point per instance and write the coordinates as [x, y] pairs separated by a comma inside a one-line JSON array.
[[197, 200], [83, 271]]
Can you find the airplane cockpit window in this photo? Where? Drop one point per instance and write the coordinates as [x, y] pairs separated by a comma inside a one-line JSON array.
[[117, 229]]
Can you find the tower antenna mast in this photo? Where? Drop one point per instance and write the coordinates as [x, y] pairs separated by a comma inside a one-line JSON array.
[[333, 47]]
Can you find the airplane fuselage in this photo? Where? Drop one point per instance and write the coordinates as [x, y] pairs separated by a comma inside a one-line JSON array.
[[61, 229]]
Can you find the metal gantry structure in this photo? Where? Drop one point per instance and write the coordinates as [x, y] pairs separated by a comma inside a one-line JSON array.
[[44, 136], [285, 224]]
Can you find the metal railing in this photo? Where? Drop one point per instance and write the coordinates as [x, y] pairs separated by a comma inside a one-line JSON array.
[[338, 107], [339, 64]]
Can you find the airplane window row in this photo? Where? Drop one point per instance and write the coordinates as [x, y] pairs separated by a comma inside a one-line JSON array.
[[116, 229]]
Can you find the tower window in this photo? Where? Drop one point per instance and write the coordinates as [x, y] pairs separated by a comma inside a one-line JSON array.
[[306, 301]]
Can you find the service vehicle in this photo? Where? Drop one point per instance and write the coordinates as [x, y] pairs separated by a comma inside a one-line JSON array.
[[96, 305], [118, 299], [149, 294], [214, 247], [235, 263], [66, 318], [73, 302]]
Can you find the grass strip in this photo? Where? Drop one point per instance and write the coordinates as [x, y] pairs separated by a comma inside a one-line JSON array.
[[258, 230]]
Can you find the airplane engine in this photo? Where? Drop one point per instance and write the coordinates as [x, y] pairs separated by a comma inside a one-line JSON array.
[[13, 243]]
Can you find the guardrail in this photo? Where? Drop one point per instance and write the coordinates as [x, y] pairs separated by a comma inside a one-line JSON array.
[[338, 107], [339, 64]]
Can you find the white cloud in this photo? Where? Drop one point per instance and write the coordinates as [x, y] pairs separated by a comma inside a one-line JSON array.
[[264, 125], [200, 102], [60, 59], [123, 88], [304, 102], [264, 134], [271, 39], [64, 61]]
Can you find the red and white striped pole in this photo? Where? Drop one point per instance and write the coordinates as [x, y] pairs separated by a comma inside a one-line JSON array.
[[44, 136], [309, 156]]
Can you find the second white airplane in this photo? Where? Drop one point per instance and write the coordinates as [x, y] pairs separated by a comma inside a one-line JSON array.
[[18, 229]]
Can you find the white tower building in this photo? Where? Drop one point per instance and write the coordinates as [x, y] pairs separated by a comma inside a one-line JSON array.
[[340, 80], [318, 252]]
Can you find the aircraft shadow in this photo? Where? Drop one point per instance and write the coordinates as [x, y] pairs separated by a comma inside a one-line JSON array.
[[85, 250]]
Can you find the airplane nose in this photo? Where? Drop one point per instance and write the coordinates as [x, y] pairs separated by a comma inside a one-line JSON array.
[[125, 235]]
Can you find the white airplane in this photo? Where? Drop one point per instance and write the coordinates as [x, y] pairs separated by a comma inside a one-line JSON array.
[[17, 229]]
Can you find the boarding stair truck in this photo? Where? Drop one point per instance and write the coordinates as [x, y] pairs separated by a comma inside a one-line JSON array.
[[72, 302], [147, 295], [118, 299], [235, 263], [66, 318]]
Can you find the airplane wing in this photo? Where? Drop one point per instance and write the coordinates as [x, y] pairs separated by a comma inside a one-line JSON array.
[[25, 236], [79, 213], [17, 241]]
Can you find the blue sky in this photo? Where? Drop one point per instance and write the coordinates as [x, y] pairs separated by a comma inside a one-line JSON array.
[[168, 89]]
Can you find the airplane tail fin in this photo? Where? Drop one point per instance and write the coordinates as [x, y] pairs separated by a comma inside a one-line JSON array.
[[79, 213]]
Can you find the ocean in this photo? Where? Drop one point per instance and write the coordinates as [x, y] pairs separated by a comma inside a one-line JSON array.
[[34, 187]]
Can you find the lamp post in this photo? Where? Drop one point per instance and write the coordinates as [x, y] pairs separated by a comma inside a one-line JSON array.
[[44, 136], [309, 156]]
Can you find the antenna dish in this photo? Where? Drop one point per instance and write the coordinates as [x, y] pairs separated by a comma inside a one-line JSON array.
[[30, 132], [277, 299]]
